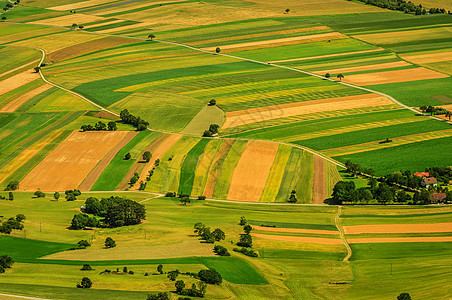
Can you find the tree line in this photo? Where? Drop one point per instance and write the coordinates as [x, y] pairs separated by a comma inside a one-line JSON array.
[[407, 7], [137, 122], [100, 126]]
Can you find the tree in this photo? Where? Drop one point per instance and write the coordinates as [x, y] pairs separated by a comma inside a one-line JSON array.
[[185, 199], [180, 285], [147, 156], [160, 269], [293, 197], [85, 284], [220, 250], [10, 196], [430, 110], [404, 296], [212, 102], [448, 114], [20, 217], [172, 275], [56, 196], [81, 27], [127, 156], [218, 50], [344, 191], [210, 276], [86, 267], [37, 69], [112, 126], [159, 296], [151, 36], [6, 262], [247, 228], [287, 10], [423, 108], [93, 206], [82, 244], [214, 128], [12, 185], [109, 243], [327, 75], [207, 133], [70, 197], [81, 221], [243, 221], [218, 234], [245, 241], [340, 76], [39, 194], [100, 126]]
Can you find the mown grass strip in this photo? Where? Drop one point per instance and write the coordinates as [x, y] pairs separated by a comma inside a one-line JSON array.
[[187, 174], [275, 178]]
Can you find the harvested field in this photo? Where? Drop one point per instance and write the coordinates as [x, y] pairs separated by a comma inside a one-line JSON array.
[[92, 177], [282, 42], [399, 228], [88, 47], [319, 193], [17, 81], [252, 170], [365, 68], [215, 168], [393, 76], [106, 115], [78, 5], [298, 239], [68, 20], [263, 34], [127, 27], [123, 9], [429, 58], [66, 166], [20, 67], [295, 230], [243, 117], [327, 56], [16, 103], [157, 153], [104, 23], [431, 239]]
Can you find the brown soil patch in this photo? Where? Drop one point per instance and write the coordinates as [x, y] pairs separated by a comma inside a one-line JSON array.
[[365, 68], [16, 103], [298, 239], [282, 42], [215, 168], [88, 47], [429, 58], [393, 76], [399, 228], [295, 230], [106, 115], [248, 36], [92, 177], [18, 68], [421, 239], [319, 180], [329, 55], [66, 166], [68, 20], [251, 173], [17, 81], [158, 150], [243, 117]]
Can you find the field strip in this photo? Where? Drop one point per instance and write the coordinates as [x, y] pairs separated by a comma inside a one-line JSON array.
[[249, 36], [365, 68], [158, 153], [122, 9], [399, 228], [78, 5], [72, 160], [320, 36], [319, 192], [104, 23], [298, 239], [68, 20], [18, 80], [127, 27], [296, 230], [92, 177], [16, 103], [18, 68], [394, 76], [351, 128], [431, 239], [403, 140], [326, 56], [428, 58], [252, 171], [215, 167], [7, 296], [337, 221], [300, 108]]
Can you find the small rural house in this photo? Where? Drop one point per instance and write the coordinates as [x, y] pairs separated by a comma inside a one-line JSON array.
[[438, 197], [428, 182]]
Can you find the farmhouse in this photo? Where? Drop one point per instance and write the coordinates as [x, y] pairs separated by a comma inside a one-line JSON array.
[[428, 182], [437, 197], [422, 174]]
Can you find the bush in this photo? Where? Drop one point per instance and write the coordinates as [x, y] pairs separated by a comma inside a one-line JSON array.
[[210, 276], [109, 243], [170, 194], [245, 240], [201, 197], [12, 185], [85, 284], [86, 267], [247, 252], [39, 194], [20, 217], [220, 250], [82, 244]]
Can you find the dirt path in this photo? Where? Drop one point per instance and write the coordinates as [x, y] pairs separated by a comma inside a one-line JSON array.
[[92, 177], [337, 221], [319, 180]]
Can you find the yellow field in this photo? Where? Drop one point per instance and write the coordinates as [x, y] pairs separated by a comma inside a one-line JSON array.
[[17, 81], [395, 37], [429, 57], [326, 56], [16, 103], [364, 68], [68, 20], [78, 5]]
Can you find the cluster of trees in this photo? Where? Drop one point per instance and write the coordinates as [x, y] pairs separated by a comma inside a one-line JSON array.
[[124, 271], [82, 221], [10, 6], [209, 236], [356, 169], [137, 122], [402, 5], [70, 195], [6, 262], [74, 26], [12, 223], [158, 296], [39, 194], [100, 126], [86, 283], [247, 252], [82, 244], [220, 250], [442, 174], [198, 289], [213, 129], [10, 197], [293, 197], [432, 110], [339, 76], [246, 239], [12, 186]]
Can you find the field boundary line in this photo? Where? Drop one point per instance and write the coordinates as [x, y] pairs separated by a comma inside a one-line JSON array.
[[22, 297], [337, 221]]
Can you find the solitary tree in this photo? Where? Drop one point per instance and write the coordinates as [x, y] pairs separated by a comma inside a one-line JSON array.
[[327, 75], [110, 243], [56, 196], [127, 156], [218, 50], [212, 102], [340, 76], [160, 269], [73, 26], [81, 27], [85, 284], [37, 69], [151, 36], [404, 296], [147, 156], [287, 10], [10, 196]]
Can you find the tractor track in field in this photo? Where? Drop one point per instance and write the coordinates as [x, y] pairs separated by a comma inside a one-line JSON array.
[[337, 221]]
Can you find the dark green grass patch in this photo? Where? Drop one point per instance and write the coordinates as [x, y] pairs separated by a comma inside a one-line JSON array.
[[187, 175], [25, 250], [235, 270], [293, 225], [414, 156], [6, 118], [111, 26], [374, 134], [299, 254], [25, 11], [417, 93]]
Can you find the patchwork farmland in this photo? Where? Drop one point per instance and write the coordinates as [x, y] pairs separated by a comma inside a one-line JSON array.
[[223, 113]]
